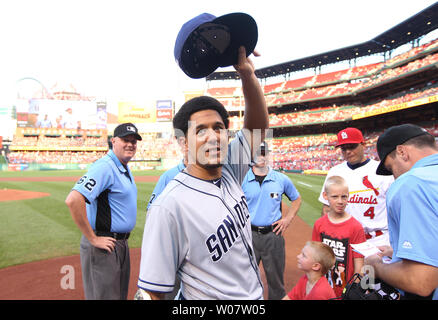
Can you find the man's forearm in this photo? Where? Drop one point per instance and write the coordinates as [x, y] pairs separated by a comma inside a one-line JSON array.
[[358, 265], [78, 211], [293, 210], [407, 275], [256, 112]]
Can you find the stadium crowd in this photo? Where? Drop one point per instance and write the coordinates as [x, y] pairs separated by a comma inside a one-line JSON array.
[[293, 153], [348, 81], [54, 157], [58, 150], [343, 112], [318, 152], [153, 147], [312, 152], [58, 142]]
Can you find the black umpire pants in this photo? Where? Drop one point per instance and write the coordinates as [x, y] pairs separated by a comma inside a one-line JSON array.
[[269, 248]]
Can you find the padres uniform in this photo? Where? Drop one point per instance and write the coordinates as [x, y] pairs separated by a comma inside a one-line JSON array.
[[367, 196], [164, 180], [201, 231]]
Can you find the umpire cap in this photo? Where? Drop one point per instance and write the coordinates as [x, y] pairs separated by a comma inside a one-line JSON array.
[[391, 138], [125, 129]]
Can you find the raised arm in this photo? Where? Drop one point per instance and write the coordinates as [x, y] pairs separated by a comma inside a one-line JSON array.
[[256, 112]]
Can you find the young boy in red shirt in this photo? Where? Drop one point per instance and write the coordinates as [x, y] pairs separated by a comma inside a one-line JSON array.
[[338, 229], [315, 259]]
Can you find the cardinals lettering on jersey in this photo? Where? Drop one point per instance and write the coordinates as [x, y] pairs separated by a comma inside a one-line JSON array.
[[367, 193], [366, 200]]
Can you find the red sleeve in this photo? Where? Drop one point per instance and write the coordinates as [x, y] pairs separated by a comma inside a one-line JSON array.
[[316, 236], [358, 237], [298, 292]]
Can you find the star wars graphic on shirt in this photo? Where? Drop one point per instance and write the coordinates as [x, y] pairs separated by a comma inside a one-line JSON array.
[[337, 276]]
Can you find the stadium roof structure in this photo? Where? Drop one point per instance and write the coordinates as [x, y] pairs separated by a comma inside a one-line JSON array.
[[407, 31]]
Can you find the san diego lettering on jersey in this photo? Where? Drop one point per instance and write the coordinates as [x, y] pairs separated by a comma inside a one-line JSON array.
[[227, 232]]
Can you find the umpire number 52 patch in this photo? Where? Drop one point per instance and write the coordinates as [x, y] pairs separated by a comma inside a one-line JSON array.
[[89, 185]]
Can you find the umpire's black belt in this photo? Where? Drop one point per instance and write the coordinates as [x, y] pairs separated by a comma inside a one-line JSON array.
[[115, 235], [262, 230]]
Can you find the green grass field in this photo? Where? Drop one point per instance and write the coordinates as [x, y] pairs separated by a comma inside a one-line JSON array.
[[39, 229]]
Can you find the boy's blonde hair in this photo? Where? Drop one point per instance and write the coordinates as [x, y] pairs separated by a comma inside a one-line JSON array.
[[334, 181], [323, 255]]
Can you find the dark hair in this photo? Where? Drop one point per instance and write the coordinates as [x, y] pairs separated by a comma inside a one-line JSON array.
[[182, 117], [423, 141]]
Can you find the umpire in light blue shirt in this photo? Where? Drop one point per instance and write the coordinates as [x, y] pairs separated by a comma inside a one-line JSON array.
[[264, 189], [103, 204]]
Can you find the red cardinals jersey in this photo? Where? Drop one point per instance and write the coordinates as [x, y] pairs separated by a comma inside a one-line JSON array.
[[367, 201]]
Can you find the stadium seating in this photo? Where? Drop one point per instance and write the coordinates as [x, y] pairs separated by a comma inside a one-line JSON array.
[[338, 112], [323, 86], [154, 148], [55, 157], [293, 153]]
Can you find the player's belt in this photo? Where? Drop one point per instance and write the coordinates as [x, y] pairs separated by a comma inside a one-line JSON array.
[[115, 235], [262, 230]]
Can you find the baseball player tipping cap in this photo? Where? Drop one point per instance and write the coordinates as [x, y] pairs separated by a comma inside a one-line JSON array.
[[349, 136], [206, 42], [125, 129], [393, 137]]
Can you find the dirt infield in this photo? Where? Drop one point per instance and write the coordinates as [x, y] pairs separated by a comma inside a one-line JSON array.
[[61, 278], [13, 195]]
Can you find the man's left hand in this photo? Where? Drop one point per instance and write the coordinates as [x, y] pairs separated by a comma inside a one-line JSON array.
[[281, 225]]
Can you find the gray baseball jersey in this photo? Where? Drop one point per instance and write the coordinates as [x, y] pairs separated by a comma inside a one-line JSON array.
[[202, 233]]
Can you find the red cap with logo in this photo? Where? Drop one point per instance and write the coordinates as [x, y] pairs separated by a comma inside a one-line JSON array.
[[349, 135]]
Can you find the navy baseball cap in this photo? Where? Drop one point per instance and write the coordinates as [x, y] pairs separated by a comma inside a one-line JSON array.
[[125, 129], [391, 138], [207, 42]]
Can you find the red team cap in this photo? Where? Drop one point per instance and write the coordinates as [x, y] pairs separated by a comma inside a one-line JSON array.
[[349, 135]]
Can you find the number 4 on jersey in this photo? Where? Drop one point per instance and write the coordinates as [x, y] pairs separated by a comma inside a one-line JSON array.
[[369, 213]]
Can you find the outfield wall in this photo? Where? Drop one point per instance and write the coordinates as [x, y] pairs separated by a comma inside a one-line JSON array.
[[44, 166], [134, 165]]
